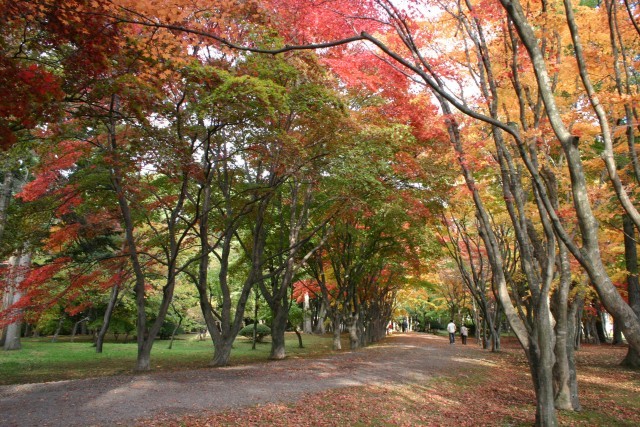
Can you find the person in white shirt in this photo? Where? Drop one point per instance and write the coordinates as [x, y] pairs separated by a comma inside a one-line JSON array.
[[451, 328], [464, 332]]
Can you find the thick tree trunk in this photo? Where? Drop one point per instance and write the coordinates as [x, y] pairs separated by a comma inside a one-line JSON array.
[[6, 191], [564, 375], [337, 343], [19, 266], [632, 359], [322, 315], [12, 340], [143, 360], [352, 327], [7, 301], [617, 333], [541, 368], [278, 328], [222, 352], [599, 322]]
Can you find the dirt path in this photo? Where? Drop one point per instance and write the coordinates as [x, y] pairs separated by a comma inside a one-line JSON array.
[[120, 400]]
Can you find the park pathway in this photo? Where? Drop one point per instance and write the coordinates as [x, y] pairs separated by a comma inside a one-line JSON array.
[[121, 400]]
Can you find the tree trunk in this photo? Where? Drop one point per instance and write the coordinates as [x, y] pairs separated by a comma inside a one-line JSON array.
[[322, 315], [9, 339], [255, 319], [12, 340], [352, 327], [74, 330], [599, 322], [18, 272], [578, 336], [6, 191], [573, 326], [107, 318], [143, 360], [564, 378], [278, 328], [540, 365], [617, 333], [58, 328], [307, 329], [632, 359], [173, 333], [299, 335], [337, 343], [222, 352]]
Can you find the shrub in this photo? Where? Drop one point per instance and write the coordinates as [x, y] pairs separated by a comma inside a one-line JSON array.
[[261, 332]]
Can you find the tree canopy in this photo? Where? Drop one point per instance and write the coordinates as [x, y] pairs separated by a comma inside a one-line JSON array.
[[417, 158]]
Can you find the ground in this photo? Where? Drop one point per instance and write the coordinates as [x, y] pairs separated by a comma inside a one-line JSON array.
[[409, 379]]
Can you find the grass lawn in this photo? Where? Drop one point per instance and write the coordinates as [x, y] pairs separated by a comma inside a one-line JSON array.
[[41, 360]]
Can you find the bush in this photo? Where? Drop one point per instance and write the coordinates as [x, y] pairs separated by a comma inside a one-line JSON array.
[[261, 332]]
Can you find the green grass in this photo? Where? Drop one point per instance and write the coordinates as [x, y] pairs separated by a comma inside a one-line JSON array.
[[41, 360]]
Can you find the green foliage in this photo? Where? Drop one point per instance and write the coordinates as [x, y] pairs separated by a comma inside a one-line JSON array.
[[296, 315], [590, 3], [261, 331]]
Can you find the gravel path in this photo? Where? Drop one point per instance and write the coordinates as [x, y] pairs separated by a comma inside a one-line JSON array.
[[120, 400]]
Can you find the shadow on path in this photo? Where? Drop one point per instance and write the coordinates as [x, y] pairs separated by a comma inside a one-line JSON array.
[[399, 359]]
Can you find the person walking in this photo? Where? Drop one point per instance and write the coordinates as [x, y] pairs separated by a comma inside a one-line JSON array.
[[451, 328], [464, 333]]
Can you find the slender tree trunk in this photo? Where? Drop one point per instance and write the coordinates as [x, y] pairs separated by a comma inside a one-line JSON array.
[[579, 332], [113, 298], [173, 333], [255, 318], [300, 345], [77, 324], [572, 333], [58, 328]]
